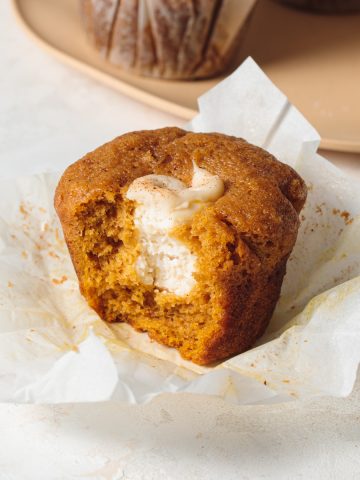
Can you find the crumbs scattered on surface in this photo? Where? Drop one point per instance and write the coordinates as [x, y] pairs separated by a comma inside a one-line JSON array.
[[286, 381], [40, 231], [59, 237], [345, 274], [319, 208], [310, 227], [59, 281], [45, 227], [344, 215], [23, 210], [10, 284]]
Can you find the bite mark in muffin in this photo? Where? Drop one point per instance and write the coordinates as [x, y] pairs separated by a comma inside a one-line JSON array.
[[240, 241]]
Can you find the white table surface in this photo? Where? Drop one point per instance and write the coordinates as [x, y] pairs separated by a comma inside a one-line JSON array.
[[51, 115]]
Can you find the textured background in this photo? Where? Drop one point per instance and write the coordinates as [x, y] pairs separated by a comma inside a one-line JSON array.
[[50, 116]]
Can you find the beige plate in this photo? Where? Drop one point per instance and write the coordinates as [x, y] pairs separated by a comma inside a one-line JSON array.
[[314, 59]]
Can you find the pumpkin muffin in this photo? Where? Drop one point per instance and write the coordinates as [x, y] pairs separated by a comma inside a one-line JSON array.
[[172, 39], [182, 235]]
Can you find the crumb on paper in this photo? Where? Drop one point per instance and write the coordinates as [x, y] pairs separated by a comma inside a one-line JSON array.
[[44, 240], [344, 274], [59, 237], [10, 284], [286, 380], [319, 209], [23, 210], [59, 281], [265, 382], [53, 254], [311, 228], [45, 227], [24, 254], [345, 215], [42, 210]]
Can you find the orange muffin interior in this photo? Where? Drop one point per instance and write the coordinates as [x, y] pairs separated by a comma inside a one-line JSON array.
[[241, 241]]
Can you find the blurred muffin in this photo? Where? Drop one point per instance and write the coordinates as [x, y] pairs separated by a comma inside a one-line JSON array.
[[182, 235], [174, 39]]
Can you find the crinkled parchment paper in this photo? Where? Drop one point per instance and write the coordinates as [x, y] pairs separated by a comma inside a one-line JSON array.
[[54, 348]]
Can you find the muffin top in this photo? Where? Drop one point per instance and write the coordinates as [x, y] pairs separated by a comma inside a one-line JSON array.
[[262, 196]]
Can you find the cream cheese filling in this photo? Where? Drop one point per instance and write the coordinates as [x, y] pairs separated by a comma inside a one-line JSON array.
[[163, 203]]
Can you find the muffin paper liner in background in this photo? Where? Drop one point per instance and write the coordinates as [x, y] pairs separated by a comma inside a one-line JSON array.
[[55, 349], [167, 38]]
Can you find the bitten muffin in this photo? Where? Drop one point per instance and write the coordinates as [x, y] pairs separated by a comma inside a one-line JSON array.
[[173, 39], [182, 235]]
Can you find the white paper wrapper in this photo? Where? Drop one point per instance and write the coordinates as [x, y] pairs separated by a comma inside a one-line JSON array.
[[54, 348]]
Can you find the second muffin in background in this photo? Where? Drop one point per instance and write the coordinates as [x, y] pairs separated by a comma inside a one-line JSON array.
[[173, 39]]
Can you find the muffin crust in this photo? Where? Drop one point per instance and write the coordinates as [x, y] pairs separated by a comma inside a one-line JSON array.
[[242, 241]]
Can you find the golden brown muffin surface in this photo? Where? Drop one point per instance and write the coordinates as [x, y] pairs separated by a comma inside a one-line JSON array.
[[242, 241], [173, 39]]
